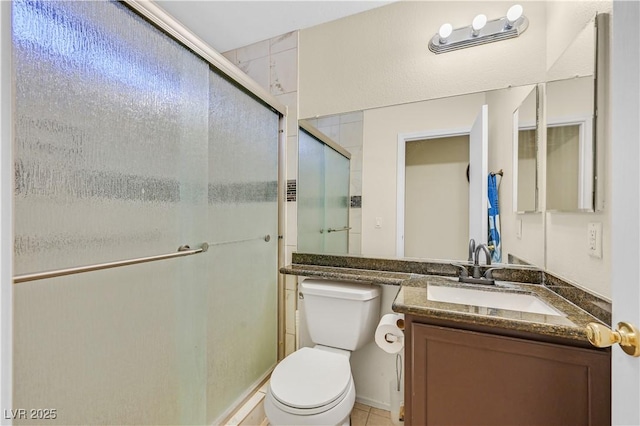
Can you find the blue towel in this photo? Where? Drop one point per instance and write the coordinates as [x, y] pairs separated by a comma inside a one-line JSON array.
[[494, 220]]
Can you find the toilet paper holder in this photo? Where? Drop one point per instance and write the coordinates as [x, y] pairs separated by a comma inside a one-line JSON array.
[[392, 338]]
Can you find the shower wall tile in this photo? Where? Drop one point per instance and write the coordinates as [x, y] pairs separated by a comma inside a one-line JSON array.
[[290, 344], [355, 243], [284, 72], [356, 183], [231, 56], [292, 221], [356, 159], [330, 120], [355, 220], [289, 249], [257, 69], [351, 117], [292, 157], [252, 51], [290, 314], [291, 281], [333, 131], [284, 42], [351, 134]]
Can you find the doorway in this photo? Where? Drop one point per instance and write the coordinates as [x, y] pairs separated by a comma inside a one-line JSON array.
[[477, 142], [437, 198]]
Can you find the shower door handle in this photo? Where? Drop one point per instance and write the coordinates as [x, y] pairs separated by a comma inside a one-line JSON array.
[[345, 228]]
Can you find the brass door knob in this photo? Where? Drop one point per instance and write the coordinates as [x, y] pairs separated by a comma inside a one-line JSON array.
[[626, 335]]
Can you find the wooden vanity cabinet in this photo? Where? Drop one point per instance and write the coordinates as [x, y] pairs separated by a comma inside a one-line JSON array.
[[465, 377]]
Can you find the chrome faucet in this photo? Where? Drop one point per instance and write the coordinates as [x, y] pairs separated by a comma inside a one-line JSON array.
[[476, 263], [472, 247], [476, 275]]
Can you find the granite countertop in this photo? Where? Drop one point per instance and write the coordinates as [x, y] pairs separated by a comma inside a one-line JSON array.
[[413, 299], [366, 275], [414, 278]]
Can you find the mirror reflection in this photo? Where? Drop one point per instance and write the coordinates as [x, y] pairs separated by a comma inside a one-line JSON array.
[[323, 193], [387, 200], [570, 145], [526, 146]]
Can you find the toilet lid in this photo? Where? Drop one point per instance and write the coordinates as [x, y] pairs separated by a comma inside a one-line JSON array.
[[310, 378]]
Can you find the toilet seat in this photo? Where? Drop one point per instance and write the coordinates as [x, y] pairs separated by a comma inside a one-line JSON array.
[[330, 374]]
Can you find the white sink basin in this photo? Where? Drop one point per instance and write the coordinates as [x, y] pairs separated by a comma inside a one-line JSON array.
[[490, 299]]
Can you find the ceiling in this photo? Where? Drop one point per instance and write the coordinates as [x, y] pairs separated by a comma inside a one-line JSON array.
[[227, 25]]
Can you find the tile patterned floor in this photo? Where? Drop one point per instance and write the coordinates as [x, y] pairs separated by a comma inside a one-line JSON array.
[[363, 415]]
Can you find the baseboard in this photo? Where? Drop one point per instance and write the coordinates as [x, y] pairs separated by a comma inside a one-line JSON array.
[[373, 403]]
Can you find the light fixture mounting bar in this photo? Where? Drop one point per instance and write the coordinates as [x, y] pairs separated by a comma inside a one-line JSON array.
[[494, 30]]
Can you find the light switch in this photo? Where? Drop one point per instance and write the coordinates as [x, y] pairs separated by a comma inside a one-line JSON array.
[[378, 222], [594, 239]]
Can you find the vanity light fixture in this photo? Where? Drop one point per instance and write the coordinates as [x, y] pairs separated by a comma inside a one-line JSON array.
[[480, 31]]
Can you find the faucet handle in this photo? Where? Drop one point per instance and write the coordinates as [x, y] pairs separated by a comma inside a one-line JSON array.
[[463, 270], [488, 274]]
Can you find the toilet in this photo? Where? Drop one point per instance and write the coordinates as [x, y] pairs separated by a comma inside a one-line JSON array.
[[314, 386]]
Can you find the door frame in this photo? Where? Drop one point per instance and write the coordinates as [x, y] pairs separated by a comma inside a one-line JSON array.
[[403, 140], [625, 204]]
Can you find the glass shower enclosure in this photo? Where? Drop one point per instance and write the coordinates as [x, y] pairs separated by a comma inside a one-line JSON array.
[[322, 193], [146, 183]]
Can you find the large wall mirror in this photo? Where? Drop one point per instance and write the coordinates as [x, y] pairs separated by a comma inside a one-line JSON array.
[[525, 159], [514, 149], [570, 131]]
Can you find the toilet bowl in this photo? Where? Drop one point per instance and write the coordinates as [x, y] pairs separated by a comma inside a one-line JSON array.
[[290, 399], [314, 386]]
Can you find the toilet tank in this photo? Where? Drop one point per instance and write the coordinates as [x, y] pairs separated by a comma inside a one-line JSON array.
[[340, 314]]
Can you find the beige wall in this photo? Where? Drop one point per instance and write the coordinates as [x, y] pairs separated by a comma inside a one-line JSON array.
[[566, 233], [530, 246], [436, 223], [380, 57], [565, 20], [379, 165]]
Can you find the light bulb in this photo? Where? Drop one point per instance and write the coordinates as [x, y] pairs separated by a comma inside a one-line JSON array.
[[513, 14], [478, 23], [444, 32]]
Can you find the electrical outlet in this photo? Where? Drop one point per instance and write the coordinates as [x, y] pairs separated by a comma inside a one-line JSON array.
[[594, 239], [519, 228]]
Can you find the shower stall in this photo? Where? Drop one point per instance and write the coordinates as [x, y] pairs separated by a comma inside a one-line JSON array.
[[147, 192], [323, 193]]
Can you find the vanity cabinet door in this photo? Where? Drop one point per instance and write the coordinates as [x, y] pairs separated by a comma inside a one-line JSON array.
[[459, 377]]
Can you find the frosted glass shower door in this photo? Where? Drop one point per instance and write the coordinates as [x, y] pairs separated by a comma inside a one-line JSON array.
[[310, 193], [336, 209], [323, 197], [128, 145], [243, 228], [110, 164]]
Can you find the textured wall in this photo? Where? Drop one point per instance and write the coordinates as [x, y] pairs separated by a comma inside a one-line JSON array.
[[380, 57]]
